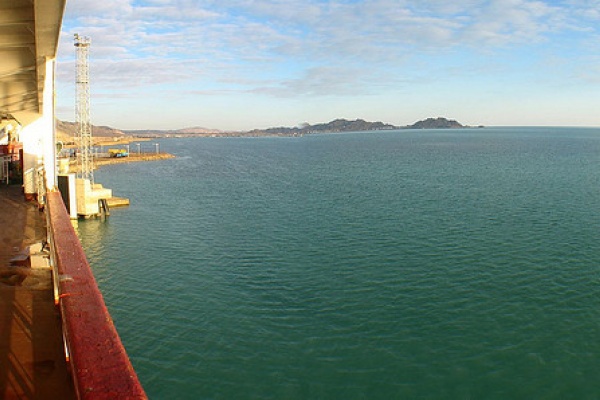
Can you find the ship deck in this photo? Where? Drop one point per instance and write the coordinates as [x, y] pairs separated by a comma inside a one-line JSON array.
[[32, 361]]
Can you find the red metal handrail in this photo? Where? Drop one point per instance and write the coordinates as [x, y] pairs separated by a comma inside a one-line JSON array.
[[100, 365]]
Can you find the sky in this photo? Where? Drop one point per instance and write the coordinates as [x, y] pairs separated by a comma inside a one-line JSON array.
[[246, 64]]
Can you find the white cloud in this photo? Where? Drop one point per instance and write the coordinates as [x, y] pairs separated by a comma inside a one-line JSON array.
[[243, 29], [589, 9], [507, 22], [106, 8], [329, 81]]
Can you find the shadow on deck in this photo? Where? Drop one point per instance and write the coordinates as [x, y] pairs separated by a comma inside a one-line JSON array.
[[32, 361]]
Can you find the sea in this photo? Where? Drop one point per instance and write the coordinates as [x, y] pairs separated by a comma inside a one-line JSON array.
[[409, 264]]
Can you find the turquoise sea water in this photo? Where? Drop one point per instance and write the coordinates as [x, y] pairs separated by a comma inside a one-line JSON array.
[[397, 264]]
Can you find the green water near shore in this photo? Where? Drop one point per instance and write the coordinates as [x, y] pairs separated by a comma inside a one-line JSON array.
[[401, 264]]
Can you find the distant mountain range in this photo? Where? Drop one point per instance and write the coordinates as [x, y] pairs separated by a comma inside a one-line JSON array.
[[359, 125], [338, 125], [195, 131], [68, 129]]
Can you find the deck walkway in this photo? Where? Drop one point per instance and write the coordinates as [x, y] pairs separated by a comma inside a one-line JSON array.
[[32, 364]]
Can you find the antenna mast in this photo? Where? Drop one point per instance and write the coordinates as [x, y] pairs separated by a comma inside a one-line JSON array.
[[83, 135]]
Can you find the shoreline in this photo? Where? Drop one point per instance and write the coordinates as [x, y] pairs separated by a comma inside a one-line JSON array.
[[98, 162]]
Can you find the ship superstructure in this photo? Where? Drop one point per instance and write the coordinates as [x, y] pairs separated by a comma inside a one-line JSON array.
[[99, 367]]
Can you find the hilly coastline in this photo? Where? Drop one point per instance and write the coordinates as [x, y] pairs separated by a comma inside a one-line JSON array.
[[67, 129], [65, 132], [338, 125], [335, 126]]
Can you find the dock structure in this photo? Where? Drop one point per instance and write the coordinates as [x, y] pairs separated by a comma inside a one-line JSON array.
[[91, 197], [57, 339]]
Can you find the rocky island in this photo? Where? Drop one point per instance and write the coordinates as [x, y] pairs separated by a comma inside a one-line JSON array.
[[436, 123]]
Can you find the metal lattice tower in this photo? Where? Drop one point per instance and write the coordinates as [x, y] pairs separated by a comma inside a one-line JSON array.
[[83, 135]]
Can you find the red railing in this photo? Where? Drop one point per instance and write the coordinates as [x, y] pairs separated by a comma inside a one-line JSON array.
[[100, 366]]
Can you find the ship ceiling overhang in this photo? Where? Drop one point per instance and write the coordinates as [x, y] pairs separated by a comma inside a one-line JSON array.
[[29, 32]]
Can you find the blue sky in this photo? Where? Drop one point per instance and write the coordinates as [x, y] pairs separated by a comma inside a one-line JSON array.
[[244, 64]]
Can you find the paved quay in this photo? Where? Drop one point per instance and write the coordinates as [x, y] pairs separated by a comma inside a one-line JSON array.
[[32, 362]]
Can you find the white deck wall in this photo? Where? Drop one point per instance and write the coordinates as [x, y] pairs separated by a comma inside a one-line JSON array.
[[38, 138]]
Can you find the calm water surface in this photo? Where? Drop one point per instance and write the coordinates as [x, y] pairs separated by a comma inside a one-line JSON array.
[[412, 264]]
